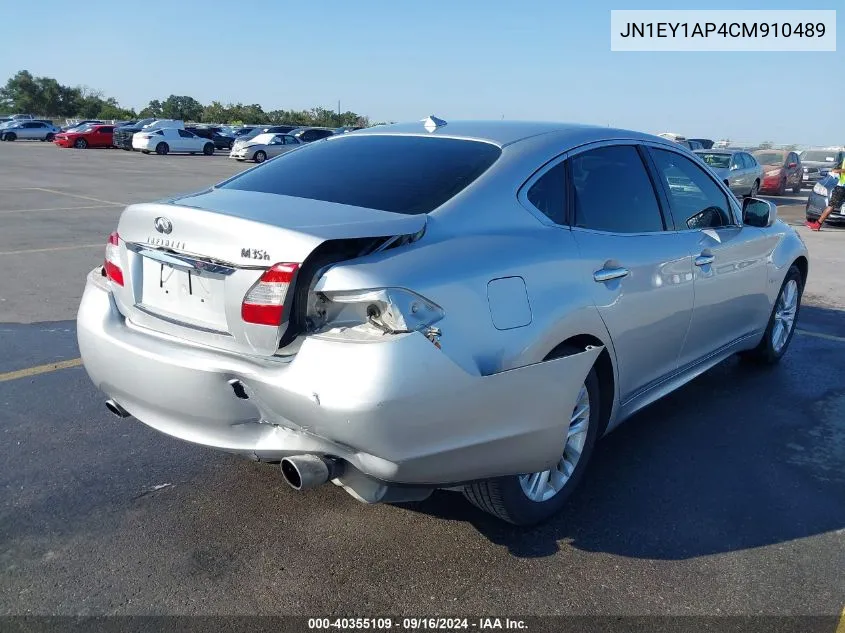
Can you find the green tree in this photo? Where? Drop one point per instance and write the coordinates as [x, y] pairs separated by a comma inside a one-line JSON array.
[[183, 108], [21, 92], [153, 110]]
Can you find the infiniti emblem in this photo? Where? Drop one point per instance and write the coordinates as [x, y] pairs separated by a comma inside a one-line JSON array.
[[163, 225]]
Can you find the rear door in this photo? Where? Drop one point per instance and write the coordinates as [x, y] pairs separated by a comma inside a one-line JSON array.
[[730, 260], [639, 270], [187, 141]]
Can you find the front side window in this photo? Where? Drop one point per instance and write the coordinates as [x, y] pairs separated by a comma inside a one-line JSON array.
[[401, 174], [697, 202], [613, 191], [548, 194]]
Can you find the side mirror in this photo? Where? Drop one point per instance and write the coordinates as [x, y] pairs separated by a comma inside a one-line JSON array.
[[760, 213]]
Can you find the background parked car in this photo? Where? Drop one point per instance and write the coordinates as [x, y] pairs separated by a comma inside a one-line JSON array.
[[819, 198], [737, 169], [123, 134], [265, 146], [781, 171], [167, 140], [29, 130], [705, 143], [816, 163], [65, 128], [85, 136], [216, 135], [242, 139], [311, 134]]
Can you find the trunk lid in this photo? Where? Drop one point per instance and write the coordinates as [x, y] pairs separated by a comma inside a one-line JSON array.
[[189, 262]]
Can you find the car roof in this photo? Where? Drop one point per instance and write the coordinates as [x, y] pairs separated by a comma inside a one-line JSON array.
[[504, 133], [721, 150]]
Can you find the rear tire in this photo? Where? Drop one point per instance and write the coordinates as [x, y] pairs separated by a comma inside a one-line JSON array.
[[781, 188], [10, 136], [208, 149], [784, 317], [80, 143], [506, 497], [162, 149], [797, 188], [260, 156], [50, 137]]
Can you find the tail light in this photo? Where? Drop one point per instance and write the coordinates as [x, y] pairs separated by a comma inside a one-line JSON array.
[[388, 310], [265, 301], [112, 263]]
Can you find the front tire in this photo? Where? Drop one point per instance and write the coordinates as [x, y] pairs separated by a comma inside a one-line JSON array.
[[208, 149], [80, 143], [260, 156], [162, 149], [781, 327], [532, 498], [10, 136]]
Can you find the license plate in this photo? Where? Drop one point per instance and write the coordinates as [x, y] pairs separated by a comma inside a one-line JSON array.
[[192, 297]]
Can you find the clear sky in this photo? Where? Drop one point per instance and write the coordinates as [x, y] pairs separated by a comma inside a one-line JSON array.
[[398, 60]]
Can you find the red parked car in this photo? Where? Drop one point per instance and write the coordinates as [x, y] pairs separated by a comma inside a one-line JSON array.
[[86, 136], [781, 171]]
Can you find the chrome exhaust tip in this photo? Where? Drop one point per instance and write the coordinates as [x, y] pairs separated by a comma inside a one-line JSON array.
[[116, 409], [303, 472]]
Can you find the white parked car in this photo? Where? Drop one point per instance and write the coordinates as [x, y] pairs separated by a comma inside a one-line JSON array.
[[29, 130], [264, 146], [165, 123], [168, 140]]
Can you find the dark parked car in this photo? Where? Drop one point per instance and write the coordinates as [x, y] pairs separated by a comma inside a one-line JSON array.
[[81, 123], [311, 134], [819, 199], [215, 135], [817, 163], [123, 134], [781, 171], [705, 143]]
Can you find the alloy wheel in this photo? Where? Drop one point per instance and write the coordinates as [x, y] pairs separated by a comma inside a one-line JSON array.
[[785, 312], [544, 485]]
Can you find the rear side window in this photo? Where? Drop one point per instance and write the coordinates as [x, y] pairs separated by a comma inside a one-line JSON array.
[[548, 194], [613, 192], [401, 174]]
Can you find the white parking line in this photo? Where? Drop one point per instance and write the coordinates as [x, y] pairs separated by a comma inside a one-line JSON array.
[[74, 195], [827, 337], [50, 250], [93, 206]]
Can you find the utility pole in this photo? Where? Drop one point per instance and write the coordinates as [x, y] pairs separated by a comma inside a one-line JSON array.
[[338, 107]]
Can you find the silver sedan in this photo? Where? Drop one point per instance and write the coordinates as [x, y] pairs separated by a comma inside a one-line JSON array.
[[264, 146], [739, 170], [460, 305]]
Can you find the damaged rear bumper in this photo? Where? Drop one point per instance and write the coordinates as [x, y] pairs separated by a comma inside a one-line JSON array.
[[395, 411]]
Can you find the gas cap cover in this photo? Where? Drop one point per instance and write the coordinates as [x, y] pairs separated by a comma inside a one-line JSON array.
[[508, 301]]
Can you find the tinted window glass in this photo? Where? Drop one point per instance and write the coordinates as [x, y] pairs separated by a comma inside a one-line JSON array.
[[613, 192], [749, 161], [403, 174], [106, 130], [697, 202], [548, 194]]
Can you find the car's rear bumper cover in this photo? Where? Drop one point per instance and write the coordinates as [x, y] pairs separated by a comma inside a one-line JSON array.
[[399, 411]]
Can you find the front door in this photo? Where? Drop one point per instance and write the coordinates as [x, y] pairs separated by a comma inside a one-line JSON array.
[[730, 260], [639, 270]]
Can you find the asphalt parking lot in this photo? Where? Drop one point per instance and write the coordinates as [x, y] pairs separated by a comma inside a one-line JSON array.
[[727, 497]]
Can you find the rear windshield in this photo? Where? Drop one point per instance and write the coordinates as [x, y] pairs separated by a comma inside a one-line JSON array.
[[401, 174]]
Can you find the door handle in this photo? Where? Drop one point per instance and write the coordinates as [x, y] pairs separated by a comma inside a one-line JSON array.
[[704, 260], [609, 274]]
